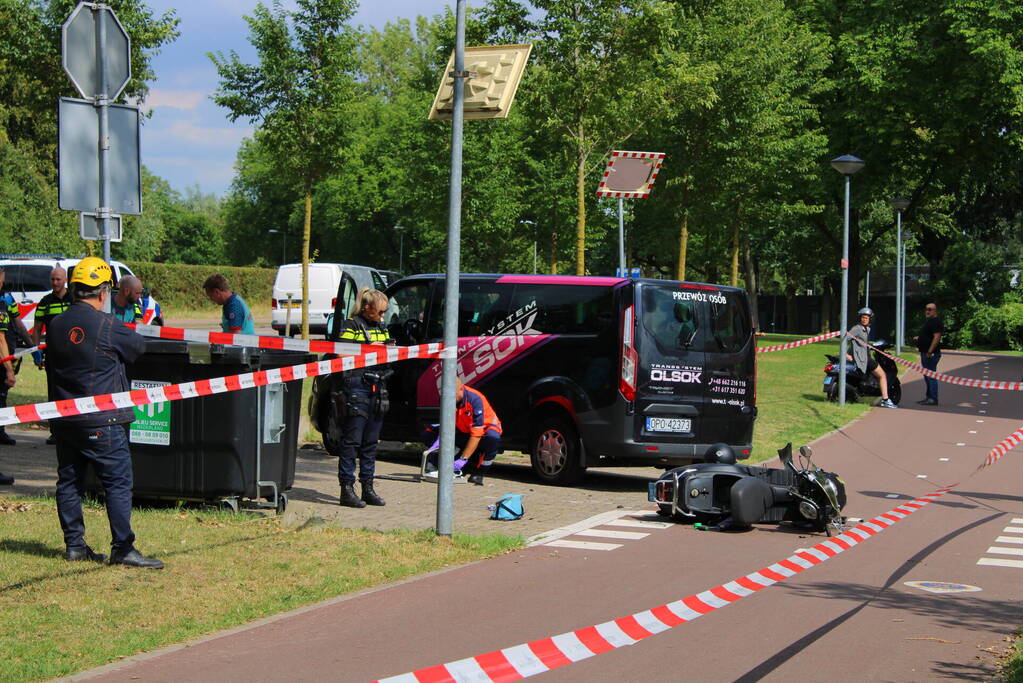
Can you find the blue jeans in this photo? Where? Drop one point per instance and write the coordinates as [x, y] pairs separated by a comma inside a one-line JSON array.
[[106, 449], [931, 364], [359, 438]]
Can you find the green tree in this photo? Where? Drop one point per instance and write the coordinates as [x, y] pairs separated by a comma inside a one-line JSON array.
[[300, 93]]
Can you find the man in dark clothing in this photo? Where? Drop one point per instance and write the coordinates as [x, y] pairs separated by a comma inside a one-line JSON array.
[[50, 306], [928, 342], [86, 351], [5, 385]]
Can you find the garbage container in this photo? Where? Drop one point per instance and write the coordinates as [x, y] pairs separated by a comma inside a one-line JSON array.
[[225, 447]]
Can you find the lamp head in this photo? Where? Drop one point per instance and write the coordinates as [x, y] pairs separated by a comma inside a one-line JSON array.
[[847, 164], [899, 203]]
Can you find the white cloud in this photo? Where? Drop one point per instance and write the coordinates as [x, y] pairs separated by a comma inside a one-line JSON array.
[[191, 132], [185, 100]]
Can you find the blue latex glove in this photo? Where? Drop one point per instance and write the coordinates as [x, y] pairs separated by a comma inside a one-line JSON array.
[[460, 464], [37, 357]]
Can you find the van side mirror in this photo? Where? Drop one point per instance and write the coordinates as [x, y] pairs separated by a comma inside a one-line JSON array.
[[412, 330], [330, 326]]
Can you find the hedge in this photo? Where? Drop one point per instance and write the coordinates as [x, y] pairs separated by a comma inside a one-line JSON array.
[[994, 327], [179, 286]]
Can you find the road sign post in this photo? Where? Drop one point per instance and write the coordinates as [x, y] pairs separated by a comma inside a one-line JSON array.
[[96, 54], [628, 175]]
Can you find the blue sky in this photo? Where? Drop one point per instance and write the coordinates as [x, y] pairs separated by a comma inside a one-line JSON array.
[[188, 140]]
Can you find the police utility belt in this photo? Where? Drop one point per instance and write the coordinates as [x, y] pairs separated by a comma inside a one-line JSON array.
[[363, 393]]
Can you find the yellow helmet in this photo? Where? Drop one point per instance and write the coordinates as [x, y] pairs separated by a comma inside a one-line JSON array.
[[92, 272]]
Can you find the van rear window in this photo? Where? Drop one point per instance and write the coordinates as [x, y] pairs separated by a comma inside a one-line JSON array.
[[682, 320]]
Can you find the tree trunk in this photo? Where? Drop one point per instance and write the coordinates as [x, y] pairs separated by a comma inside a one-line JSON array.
[[683, 246], [734, 280], [791, 313], [306, 236], [580, 216], [554, 252], [751, 282]]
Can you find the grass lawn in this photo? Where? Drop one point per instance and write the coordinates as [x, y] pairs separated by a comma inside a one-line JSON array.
[[223, 570], [1012, 671]]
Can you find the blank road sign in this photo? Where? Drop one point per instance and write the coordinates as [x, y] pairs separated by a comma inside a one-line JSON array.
[[79, 51], [78, 158], [89, 227], [630, 174]]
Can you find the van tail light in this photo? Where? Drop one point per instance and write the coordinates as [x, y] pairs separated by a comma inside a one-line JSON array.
[[333, 303], [273, 304], [627, 381]]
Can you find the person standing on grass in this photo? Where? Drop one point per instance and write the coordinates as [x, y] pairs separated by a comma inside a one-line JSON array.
[[5, 386], [86, 351], [928, 343], [236, 317]]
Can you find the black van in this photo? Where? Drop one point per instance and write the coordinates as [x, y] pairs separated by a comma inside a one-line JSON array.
[[582, 371]]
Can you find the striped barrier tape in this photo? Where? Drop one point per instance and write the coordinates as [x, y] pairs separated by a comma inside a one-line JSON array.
[[801, 342], [942, 377], [250, 340], [538, 656], [374, 355], [22, 352]]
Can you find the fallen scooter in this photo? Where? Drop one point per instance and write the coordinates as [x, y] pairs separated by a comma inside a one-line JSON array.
[[723, 496], [856, 383]]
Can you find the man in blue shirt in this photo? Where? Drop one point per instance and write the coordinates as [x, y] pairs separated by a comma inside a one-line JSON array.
[[125, 303], [236, 317]]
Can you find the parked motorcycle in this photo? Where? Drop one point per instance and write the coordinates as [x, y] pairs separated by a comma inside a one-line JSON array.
[[857, 383], [721, 495]]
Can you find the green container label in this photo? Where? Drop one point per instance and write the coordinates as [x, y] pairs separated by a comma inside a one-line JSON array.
[[152, 422]]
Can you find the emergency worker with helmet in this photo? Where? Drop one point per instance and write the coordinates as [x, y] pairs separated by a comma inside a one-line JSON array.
[[361, 401], [861, 354], [86, 352]]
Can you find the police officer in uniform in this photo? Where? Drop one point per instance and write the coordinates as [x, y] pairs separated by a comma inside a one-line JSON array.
[[5, 385], [362, 401], [86, 352], [50, 306]]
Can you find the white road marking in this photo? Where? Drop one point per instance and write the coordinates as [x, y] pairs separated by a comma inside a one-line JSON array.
[[608, 533], [1013, 529], [921, 476], [1018, 520], [961, 443], [638, 523], [1005, 551], [980, 420], [943, 459], [991, 562], [981, 412], [973, 431], [983, 403], [588, 523], [983, 394], [583, 545], [1009, 539]]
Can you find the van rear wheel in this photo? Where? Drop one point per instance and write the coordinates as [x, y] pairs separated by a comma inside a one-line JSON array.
[[555, 453]]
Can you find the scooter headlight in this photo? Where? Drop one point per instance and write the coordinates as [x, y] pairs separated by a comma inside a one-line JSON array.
[[808, 509]]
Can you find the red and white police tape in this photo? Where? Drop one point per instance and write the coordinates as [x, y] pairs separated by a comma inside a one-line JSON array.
[[942, 377], [538, 656], [22, 352], [371, 355], [801, 342]]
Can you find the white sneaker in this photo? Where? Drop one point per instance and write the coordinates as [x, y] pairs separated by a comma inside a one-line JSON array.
[[887, 403]]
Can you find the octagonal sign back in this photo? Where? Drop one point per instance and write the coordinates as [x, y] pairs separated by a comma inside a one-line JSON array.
[[79, 39]]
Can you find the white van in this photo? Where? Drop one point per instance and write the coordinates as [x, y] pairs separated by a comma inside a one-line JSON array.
[[324, 279], [27, 278]]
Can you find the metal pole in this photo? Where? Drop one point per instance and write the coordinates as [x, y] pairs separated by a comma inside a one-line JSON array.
[[445, 480], [866, 291], [621, 237], [101, 101], [534, 257], [401, 251], [898, 283], [905, 291], [845, 296], [284, 247]]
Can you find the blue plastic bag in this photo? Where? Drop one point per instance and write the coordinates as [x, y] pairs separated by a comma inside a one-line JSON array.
[[508, 507]]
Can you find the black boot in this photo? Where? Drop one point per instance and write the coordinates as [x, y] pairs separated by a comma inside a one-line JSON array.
[[369, 495], [476, 478], [348, 496]]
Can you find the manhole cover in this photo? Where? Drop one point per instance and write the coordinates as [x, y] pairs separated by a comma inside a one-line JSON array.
[[942, 587]]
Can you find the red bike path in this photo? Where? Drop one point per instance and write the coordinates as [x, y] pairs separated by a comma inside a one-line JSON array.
[[850, 618]]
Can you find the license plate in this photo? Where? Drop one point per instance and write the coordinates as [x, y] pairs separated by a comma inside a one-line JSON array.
[[668, 424], [827, 380]]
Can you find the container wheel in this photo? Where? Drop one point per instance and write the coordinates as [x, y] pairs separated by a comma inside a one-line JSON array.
[[556, 452], [229, 504], [282, 503]]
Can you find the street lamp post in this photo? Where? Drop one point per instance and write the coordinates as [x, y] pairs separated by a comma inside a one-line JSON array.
[[284, 242], [846, 164], [401, 248], [900, 204]]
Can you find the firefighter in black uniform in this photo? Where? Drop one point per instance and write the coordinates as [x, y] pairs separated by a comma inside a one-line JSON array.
[[86, 351], [362, 401], [8, 373]]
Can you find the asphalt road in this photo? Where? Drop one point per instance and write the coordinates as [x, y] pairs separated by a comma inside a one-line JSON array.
[[851, 618]]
